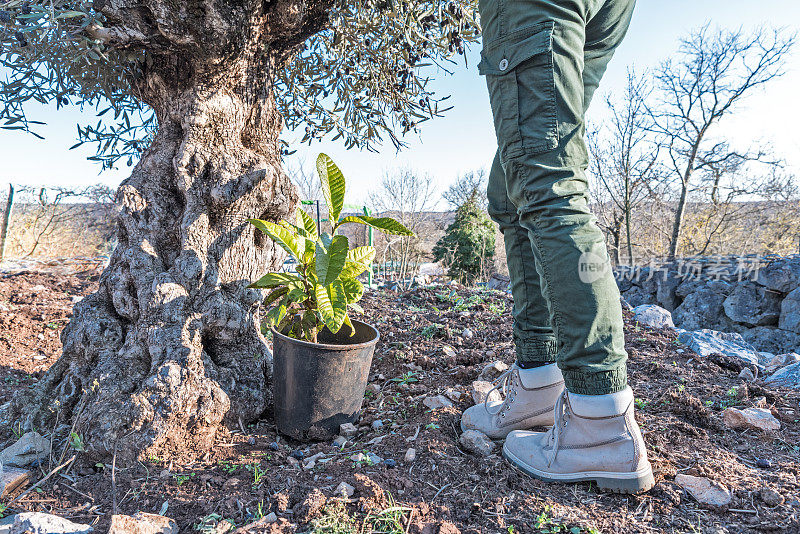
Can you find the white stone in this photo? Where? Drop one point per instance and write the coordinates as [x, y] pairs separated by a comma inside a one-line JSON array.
[[747, 375], [708, 342], [467, 333], [493, 370], [788, 376], [142, 523], [476, 442], [705, 491], [453, 394], [344, 489], [481, 389], [29, 448], [411, 455], [41, 523], [753, 418], [348, 430], [652, 315], [781, 360], [340, 441], [449, 351], [437, 402]]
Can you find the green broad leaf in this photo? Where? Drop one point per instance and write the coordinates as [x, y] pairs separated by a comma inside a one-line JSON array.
[[363, 255], [276, 315], [356, 307], [332, 304], [305, 220], [310, 324], [330, 259], [275, 294], [352, 269], [285, 238], [387, 225], [333, 186], [348, 323], [271, 280], [353, 289]]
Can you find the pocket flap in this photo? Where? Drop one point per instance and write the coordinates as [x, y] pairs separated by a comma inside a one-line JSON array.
[[503, 55]]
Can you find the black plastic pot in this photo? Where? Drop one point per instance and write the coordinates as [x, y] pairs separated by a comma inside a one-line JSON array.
[[319, 386]]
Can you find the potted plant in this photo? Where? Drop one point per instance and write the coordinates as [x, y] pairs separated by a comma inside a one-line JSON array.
[[321, 357]]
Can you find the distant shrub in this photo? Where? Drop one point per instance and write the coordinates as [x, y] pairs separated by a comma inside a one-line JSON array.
[[467, 247]]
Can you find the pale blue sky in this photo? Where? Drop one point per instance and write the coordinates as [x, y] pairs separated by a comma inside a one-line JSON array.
[[464, 138]]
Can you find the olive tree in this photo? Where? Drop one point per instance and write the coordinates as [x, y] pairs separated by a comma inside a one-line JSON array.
[[196, 95]]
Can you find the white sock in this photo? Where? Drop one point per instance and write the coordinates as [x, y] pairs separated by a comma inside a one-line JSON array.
[[601, 405], [537, 377]]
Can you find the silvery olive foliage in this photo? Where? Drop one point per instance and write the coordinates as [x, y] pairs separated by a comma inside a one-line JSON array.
[[363, 79]]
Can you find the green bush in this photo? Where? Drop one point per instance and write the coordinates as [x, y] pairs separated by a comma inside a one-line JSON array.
[[467, 247]]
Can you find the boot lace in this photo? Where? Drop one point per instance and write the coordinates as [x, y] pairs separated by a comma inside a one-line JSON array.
[[562, 414], [505, 385]]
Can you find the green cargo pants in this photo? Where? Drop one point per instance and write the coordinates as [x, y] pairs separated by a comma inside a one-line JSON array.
[[543, 60]]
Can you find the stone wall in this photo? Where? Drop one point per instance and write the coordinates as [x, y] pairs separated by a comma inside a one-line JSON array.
[[757, 297]]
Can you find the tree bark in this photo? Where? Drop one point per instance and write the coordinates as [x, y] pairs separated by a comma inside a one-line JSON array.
[[168, 350]]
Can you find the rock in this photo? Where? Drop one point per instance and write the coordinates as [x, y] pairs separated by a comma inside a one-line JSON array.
[[666, 291], [28, 449], [705, 491], [499, 282], [788, 377], [781, 360], [772, 339], [390, 463], [493, 370], [344, 489], [439, 401], [481, 389], [411, 455], [339, 442], [790, 312], [707, 342], [374, 459], [12, 478], [142, 523], [348, 430], [637, 296], [274, 446], [376, 424], [293, 462], [753, 305], [753, 418], [453, 394], [782, 275], [359, 457], [703, 305], [747, 375], [297, 453], [763, 463], [653, 315], [41, 523], [467, 334], [476, 442], [770, 497], [448, 351], [262, 526]]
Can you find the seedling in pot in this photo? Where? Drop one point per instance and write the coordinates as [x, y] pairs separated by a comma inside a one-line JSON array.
[[326, 286]]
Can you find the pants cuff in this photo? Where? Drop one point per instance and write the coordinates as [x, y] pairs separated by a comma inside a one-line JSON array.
[[536, 349], [602, 383]]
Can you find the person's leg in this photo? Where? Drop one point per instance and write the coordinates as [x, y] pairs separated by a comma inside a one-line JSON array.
[[533, 58], [533, 385], [534, 339]]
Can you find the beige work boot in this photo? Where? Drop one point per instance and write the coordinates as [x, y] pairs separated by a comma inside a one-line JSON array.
[[530, 396], [594, 438]]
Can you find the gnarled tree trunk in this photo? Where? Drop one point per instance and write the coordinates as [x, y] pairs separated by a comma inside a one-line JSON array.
[[168, 349]]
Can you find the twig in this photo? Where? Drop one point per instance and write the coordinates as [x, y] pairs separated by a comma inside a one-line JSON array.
[[410, 518], [114, 480], [741, 511], [441, 490], [51, 473]]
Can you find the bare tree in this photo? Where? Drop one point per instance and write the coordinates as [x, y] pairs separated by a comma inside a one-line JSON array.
[[711, 74], [408, 197], [307, 182], [467, 185], [626, 159]]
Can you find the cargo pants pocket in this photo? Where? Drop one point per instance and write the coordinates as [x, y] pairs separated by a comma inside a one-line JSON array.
[[521, 80]]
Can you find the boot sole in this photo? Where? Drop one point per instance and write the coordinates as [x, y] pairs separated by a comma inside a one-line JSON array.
[[615, 482]]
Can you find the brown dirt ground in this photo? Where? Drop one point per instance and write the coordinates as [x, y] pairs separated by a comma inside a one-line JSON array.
[[445, 490]]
